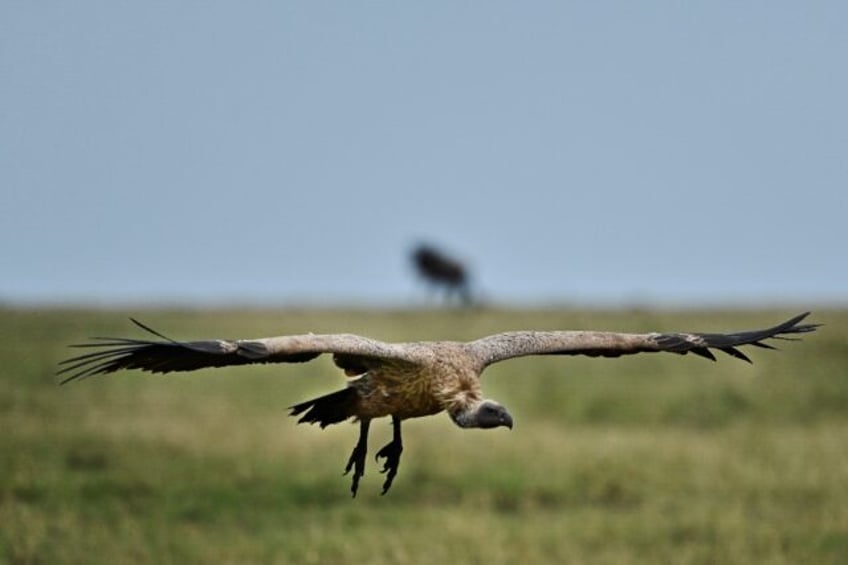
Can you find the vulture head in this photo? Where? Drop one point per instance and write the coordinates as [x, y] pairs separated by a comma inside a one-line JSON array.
[[484, 414]]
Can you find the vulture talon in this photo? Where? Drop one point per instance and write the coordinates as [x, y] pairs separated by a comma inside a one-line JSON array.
[[391, 453], [356, 462]]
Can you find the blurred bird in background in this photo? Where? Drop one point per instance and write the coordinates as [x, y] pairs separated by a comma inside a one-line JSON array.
[[438, 270]]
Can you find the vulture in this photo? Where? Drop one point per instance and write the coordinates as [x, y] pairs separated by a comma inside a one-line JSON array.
[[402, 380], [438, 269]]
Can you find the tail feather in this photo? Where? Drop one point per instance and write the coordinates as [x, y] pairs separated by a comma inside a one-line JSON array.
[[328, 409]]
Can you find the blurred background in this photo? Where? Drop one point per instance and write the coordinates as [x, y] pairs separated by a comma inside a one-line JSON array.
[[295, 152], [223, 169]]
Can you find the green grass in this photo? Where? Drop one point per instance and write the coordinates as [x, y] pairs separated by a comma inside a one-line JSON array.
[[647, 459]]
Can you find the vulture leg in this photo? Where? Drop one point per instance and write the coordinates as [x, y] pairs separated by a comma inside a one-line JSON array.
[[357, 456], [391, 452]]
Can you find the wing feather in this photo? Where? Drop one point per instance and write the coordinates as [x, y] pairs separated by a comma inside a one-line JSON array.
[[507, 345], [167, 355]]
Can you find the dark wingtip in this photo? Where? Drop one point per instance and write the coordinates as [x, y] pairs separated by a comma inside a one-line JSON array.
[[795, 326], [703, 352], [66, 380], [733, 352], [150, 330]]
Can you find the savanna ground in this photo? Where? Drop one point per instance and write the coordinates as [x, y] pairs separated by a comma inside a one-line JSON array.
[[647, 459]]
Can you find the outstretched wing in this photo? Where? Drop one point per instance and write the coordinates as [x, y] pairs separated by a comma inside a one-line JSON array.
[[507, 345], [166, 355]]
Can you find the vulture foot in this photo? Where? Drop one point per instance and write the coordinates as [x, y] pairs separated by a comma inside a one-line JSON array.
[[391, 453], [357, 457]]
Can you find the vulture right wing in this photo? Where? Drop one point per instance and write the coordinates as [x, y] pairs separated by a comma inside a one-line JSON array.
[[167, 355]]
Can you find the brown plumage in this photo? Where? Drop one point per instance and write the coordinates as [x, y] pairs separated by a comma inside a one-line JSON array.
[[403, 380]]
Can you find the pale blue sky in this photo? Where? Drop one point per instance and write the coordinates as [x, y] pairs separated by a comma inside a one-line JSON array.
[[272, 152]]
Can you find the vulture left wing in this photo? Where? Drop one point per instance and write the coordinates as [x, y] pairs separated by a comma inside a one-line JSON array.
[[507, 345], [166, 355]]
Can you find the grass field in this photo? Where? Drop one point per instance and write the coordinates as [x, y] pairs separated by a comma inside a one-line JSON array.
[[647, 459]]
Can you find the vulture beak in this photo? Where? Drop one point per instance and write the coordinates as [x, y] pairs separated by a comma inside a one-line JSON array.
[[506, 420]]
